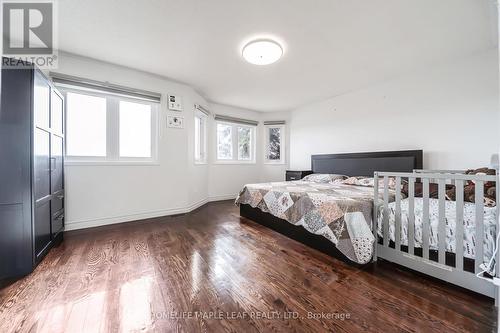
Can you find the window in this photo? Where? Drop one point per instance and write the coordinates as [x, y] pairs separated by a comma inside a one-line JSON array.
[[85, 125], [235, 142], [135, 129], [244, 143], [200, 138], [103, 127], [275, 144], [224, 142]]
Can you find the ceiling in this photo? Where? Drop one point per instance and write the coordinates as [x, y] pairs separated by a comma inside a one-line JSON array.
[[331, 46]]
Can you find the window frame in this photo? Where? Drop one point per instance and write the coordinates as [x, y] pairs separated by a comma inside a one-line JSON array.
[[234, 143], [282, 159], [203, 138], [113, 131]]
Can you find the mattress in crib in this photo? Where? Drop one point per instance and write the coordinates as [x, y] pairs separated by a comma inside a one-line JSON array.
[[469, 240]]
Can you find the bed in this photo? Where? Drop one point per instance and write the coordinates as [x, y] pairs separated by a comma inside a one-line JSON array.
[[288, 207], [338, 212], [338, 218]]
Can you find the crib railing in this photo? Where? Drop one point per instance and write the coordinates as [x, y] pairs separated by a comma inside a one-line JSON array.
[[440, 269]]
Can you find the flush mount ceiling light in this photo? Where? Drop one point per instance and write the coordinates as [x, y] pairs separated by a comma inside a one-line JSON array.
[[262, 52]]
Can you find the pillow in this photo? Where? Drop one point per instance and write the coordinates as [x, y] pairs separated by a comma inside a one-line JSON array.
[[433, 190], [482, 171], [369, 182], [323, 177], [470, 188]]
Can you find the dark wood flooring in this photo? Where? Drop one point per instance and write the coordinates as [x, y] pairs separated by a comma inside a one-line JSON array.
[[212, 271]]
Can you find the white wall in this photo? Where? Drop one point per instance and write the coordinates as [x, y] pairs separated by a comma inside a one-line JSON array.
[[449, 111], [102, 194]]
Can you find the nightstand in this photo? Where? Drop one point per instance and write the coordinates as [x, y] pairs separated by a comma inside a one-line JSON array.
[[296, 175]]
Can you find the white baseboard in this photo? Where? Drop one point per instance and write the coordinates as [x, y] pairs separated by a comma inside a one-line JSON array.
[[196, 205], [83, 224], [222, 197]]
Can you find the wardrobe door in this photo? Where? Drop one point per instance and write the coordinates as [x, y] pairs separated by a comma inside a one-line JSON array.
[[41, 172], [56, 159], [16, 254]]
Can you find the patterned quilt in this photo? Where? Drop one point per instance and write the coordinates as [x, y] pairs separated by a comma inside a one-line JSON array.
[[339, 212]]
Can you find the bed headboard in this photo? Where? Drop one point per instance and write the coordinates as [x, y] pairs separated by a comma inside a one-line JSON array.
[[365, 164]]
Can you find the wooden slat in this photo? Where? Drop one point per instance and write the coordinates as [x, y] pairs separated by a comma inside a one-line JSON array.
[[479, 199], [397, 220], [411, 215], [442, 222], [459, 227], [425, 219], [386, 211]]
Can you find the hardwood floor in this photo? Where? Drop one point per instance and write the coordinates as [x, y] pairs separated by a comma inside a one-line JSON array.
[[213, 271]]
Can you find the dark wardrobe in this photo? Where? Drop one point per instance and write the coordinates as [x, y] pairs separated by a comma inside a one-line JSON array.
[[31, 169]]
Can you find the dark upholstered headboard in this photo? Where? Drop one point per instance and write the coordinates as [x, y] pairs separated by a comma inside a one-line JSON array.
[[365, 164]]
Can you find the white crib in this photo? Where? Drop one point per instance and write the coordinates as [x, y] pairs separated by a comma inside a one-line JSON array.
[[415, 254]]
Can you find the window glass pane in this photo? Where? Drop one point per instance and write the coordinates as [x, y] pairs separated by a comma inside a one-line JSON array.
[[86, 125], [135, 129], [244, 143], [197, 138], [224, 142], [274, 144]]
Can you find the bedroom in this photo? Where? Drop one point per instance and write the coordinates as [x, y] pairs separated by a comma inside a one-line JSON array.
[[121, 215]]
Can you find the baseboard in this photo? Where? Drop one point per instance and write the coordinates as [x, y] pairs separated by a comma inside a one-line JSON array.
[[83, 224], [222, 197], [196, 205]]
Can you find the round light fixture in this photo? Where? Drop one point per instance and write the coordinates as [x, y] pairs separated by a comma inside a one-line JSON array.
[[262, 52]]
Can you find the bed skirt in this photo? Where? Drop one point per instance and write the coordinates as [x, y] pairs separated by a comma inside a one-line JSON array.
[[297, 233]]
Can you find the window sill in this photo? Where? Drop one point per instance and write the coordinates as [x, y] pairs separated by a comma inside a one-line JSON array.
[[111, 163], [219, 162], [274, 163], [200, 163]]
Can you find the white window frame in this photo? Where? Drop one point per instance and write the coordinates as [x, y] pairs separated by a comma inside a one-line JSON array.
[[234, 141], [282, 159], [113, 132], [203, 138]]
